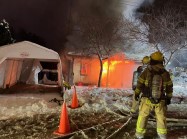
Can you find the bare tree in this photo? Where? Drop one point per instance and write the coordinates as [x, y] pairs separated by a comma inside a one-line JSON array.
[[101, 37], [165, 29], [5, 33]]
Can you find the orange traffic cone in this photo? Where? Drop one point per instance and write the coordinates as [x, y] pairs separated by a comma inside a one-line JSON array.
[[74, 103], [64, 126]]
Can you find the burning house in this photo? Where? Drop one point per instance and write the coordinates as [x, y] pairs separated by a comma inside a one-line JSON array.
[[117, 71]]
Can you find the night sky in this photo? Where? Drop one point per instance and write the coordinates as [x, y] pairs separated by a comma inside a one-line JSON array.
[[44, 19]]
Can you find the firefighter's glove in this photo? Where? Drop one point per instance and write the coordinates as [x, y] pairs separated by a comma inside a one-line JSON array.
[[136, 97], [168, 101]]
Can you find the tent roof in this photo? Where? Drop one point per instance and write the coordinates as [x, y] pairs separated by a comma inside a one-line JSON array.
[[26, 49]]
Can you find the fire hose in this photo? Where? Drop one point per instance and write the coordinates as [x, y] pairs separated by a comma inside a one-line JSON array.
[[120, 129]]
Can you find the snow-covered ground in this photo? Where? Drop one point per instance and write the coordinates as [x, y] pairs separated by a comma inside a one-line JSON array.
[[31, 113]]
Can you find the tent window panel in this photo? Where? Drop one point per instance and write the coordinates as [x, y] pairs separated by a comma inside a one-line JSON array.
[[85, 67]]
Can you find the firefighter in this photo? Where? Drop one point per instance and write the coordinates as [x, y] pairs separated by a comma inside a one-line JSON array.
[[66, 85], [147, 105], [136, 74], [145, 61]]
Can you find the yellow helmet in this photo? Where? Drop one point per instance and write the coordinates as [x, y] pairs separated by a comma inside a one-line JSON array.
[[157, 56], [146, 60]]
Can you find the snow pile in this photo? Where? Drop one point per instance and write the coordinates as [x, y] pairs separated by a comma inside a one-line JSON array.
[[102, 98], [18, 107], [90, 98]]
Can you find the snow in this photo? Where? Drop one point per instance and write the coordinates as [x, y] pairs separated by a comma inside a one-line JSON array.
[[21, 106], [33, 115]]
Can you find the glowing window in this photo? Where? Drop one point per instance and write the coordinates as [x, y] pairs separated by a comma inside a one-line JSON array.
[[84, 69]]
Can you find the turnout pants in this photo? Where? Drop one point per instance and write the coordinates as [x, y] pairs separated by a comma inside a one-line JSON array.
[[144, 110], [135, 105]]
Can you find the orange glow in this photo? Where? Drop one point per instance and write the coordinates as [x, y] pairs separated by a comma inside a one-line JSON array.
[[126, 61], [117, 72], [111, 66], [105, 67]]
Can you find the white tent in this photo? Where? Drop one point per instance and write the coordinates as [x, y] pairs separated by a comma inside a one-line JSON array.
[[22, 61]]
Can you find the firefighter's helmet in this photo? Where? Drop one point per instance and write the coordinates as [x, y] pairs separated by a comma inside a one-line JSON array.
[[146, 60], [157, 56]]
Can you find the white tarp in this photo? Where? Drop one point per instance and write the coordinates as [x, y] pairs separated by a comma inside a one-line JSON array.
[[35, 69], [20, 62], [27, 49]]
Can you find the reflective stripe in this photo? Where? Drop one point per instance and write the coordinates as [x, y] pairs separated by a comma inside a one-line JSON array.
[[168, 83], [141, 80], [146, 82], [137, 91], [161, 131], [138, 129]]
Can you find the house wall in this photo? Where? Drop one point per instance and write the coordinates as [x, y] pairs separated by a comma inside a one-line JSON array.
[[86, 72]]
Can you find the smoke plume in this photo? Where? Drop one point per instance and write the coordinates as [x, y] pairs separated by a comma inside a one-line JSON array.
[[50, 20]]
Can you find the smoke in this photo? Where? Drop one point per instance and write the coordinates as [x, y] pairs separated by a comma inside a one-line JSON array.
[[130, 7], [49, 20], [130, 12], [109, 7], [85, 10], [99, 8], [103, 8]]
